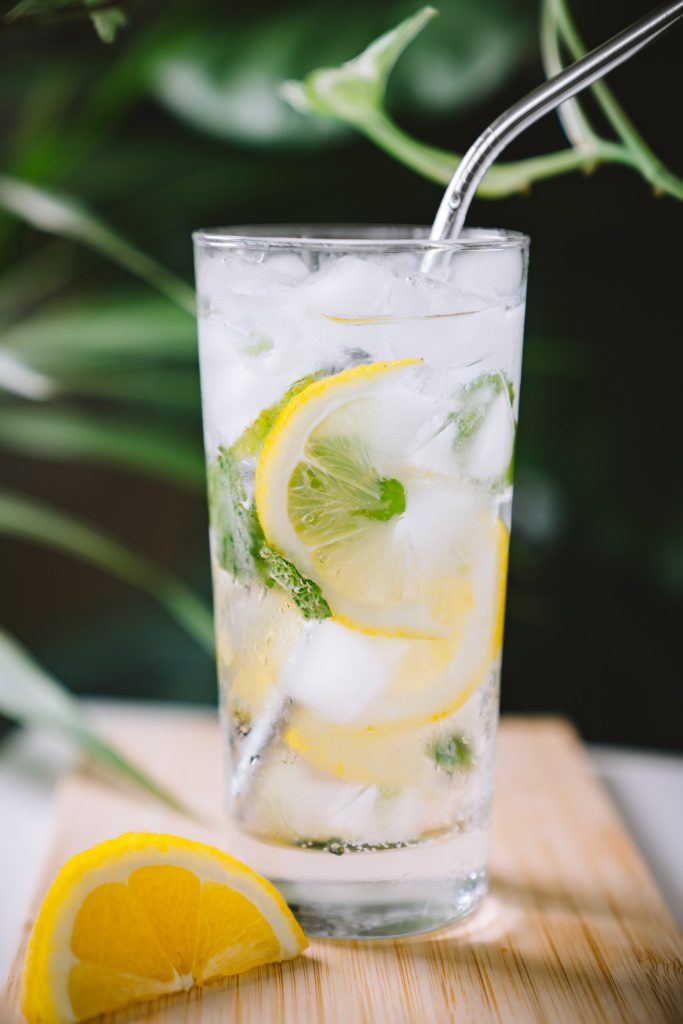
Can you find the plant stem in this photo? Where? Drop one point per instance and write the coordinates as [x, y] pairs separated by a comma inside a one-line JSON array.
[[576, 126], [505, 178], [436, 164], [646, 161], [502, 179]]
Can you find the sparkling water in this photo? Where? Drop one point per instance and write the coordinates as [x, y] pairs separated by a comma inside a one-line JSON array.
[[359, 672]]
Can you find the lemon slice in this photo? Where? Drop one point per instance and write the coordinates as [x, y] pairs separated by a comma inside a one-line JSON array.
[[437, 677], [345, 489], [145, 915], [387, 742], [360, 755]]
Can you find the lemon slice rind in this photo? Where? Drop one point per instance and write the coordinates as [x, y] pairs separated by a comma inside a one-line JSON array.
[[282, 451]]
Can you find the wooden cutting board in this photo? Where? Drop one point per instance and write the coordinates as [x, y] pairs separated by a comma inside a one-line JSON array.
[[573, 931]]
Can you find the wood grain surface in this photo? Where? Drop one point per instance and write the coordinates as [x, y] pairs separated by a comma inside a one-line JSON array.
[[573, 931]]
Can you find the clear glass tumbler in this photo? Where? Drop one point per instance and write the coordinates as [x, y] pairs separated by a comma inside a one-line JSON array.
[[360, 390]]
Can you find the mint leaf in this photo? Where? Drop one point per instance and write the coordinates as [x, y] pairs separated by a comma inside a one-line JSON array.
[[231, 517], [306, 595], [452, 754], [241, 547], [391, 501], [477, 398], [250, 443]]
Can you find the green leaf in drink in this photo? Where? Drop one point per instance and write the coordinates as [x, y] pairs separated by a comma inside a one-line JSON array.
[[250, 443], [241, 547], [476, 401], [231, 517], [391, 500], [452, 754], [478, 397], [307, 595]]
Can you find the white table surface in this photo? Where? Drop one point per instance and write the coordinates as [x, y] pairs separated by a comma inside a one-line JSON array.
[[646, 787]]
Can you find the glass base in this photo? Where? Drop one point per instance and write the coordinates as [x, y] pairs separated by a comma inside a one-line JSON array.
[[382, 910]]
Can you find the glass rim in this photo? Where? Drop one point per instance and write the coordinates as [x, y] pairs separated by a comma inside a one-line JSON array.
[[355, 236]]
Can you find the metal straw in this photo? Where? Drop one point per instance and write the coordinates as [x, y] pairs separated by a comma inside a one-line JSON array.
[[490, 144]]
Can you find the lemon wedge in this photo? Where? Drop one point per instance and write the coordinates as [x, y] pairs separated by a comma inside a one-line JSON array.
[[146, 915]]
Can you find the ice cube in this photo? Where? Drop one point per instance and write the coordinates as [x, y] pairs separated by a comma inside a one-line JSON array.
[[220, 276], [233, 393], [436, 526], [287, 268], [225, 278], [491, 450], [350, 287], [356, 288], [403, 817], [436, 455], [337, 672], [356, 818], [210, 279], [297, 802], [489, 274]]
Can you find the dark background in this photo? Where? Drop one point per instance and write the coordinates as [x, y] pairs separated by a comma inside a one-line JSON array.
[[596, 578]]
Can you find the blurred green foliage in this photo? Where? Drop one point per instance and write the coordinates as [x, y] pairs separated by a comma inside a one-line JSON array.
[[355, 94], [113, 153]]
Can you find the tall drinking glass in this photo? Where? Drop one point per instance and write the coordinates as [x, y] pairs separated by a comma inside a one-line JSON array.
[[360, 390]]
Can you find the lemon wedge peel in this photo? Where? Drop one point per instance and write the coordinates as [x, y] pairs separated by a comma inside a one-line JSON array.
[[57, 984]]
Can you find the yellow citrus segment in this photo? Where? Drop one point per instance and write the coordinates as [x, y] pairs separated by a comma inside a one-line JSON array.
[[175, 924], [112, 929], [94, 989], [146, 915], [232, 936]]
